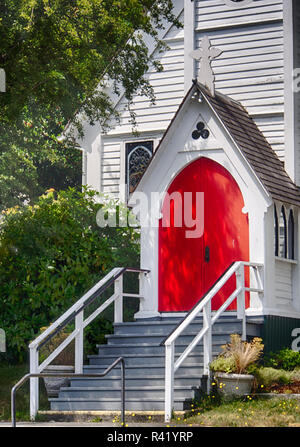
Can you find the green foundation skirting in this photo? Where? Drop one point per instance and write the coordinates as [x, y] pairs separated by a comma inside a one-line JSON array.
[[276, 332]]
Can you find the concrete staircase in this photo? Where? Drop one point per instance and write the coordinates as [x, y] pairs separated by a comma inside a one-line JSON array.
[[139, 343]]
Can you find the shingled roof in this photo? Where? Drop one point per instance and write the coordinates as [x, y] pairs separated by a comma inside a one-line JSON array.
[[254, 146]]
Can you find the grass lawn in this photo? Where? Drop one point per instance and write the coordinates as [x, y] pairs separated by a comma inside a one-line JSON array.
[[249, 412], [9, 376]]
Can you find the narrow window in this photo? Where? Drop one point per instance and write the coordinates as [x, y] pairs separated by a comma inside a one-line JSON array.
[[276, 231], [282, 234], [291, 236], [138, 156]]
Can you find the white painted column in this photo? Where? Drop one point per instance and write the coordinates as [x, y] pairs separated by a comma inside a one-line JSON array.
[[169, 381], [240, 282], [34, 383], [119, 300], [79, 343], [269, 259]]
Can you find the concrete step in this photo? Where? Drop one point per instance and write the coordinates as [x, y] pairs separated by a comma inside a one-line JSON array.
[[145, 392], [114, 404], [142, 370], [157, 339], [153, 349], [165, 328], [139, 359], [114, 381]]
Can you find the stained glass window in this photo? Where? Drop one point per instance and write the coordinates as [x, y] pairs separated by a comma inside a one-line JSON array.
[[138, 155]]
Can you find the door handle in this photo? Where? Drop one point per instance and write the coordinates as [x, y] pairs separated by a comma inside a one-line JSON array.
[[206, 254]]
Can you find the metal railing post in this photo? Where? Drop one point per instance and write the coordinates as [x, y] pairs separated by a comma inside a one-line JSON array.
[[32, 376], [79, 343], [34, 383], [118, 315], [122, 391], [207, 342], [169, 381], [241, 305]]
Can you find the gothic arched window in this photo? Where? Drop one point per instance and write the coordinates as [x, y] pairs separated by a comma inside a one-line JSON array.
[[282, 234], [291, 236], [138, 155], [276, 232]]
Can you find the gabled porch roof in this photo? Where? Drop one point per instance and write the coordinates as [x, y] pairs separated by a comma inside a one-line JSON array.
[[242, 129]]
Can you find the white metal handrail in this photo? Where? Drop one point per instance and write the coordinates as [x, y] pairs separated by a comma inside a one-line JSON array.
[[76, 312], [204, 306]]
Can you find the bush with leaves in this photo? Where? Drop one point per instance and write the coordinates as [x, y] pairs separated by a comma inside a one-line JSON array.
[[50, 254], [286, 359]]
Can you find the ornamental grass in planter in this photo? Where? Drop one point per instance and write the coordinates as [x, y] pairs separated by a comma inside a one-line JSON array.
[[63, 363], [230, 368]]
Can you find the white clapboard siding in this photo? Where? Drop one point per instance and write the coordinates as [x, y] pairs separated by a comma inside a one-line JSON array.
[[237, 72], [283, 286], [273, 129], [168, 87], [214, 14], [250, 68], [110, 167]]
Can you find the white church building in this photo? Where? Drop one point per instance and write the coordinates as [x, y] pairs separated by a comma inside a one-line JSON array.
[[224, 134]]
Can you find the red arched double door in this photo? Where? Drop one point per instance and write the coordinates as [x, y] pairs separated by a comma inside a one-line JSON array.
[[189, 266]]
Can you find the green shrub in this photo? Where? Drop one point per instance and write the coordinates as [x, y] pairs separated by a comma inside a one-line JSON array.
[[296, 375], [284, 359], [50, 255], [223, 364], [267, 376]]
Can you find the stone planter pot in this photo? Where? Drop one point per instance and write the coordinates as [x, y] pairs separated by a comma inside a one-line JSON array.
[[234, 385], [53, 384]]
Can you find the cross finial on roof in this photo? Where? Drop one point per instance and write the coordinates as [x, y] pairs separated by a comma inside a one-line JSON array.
[[205, 54]]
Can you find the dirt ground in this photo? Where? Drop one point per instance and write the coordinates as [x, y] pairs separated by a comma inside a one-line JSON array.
[[293, 388]]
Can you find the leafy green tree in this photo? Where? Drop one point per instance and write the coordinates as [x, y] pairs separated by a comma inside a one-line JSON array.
[[50, 254], [55, 54]]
